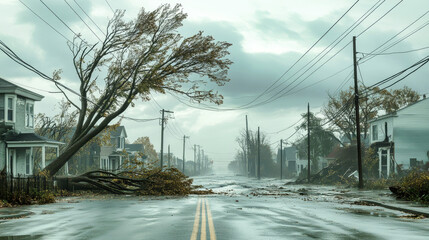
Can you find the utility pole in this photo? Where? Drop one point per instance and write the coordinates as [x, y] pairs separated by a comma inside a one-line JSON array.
[[184, 137], [259, 155], [199, 159], [247, 148], [162, 134], [169, 162], [195, 159], [308, 141], [357, 115], [202, 159], [281, 159]]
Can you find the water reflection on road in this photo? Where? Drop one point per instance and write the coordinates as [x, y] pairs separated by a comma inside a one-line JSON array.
[[242, 209]]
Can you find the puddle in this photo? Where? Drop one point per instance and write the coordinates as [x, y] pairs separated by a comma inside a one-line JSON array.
[[21, 237], [374, 213]]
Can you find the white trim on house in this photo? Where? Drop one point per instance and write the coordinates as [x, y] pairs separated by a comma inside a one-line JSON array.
[[6, 107], [29, 124]]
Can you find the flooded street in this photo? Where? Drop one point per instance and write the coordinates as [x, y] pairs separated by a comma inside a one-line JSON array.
[[240, 209]]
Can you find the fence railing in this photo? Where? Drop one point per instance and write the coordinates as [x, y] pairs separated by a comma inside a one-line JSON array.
[[24, 184]]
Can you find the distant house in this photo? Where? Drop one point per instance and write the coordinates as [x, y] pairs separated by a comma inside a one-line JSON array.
[[401, 138], [109, 154], [135, 151], [294, 165], [21, 150]]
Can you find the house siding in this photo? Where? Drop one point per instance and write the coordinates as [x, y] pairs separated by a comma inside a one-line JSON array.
[[412, 134], [381, 130]]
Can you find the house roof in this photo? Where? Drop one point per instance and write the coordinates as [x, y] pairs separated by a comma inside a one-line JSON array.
[[134, 147], [29, 138], [7, 87], [117, 131], [394, 114]]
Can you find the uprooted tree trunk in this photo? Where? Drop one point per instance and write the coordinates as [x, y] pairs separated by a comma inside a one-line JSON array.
[[145, 182]]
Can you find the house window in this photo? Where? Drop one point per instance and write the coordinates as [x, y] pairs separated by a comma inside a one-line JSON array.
[[374, 132], [10, 106], [29, 114]]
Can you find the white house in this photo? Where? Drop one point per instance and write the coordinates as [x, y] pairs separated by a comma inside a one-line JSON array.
[[402, 138], [19, 145]]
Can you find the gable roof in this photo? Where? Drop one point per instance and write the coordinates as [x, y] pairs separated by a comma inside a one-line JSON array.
[[394, 114], [117, 131], [7, 87]]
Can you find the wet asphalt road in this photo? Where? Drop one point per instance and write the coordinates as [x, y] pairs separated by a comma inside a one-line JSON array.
[[242, 209]]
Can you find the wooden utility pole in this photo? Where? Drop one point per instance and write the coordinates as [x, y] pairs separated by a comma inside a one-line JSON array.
[[195, 159], [184, 141], [199, 159], [281, 159], [202, 159], [357, 116], [247, 148], [162, 134], [259, 155], [308, 142], [169, 157]]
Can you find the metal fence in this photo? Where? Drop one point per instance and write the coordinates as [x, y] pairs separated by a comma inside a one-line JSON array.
[[24, 184]]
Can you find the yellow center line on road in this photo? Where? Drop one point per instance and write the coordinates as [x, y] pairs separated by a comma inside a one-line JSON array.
[[202, 207], [203, 222], [196, 222], [210, 220]]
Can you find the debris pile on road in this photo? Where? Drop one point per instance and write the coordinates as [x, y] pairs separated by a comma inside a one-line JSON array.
[[342, 171], [152, 181]]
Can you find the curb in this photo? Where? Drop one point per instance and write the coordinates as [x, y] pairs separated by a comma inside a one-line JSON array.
[[406, 210]]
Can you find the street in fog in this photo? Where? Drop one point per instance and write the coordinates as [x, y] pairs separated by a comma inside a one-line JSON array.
[[241, 209]]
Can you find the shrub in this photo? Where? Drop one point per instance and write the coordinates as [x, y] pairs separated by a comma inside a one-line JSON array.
[[414, 186]]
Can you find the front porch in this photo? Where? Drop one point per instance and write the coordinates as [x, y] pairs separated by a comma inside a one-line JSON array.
[[28, 153]]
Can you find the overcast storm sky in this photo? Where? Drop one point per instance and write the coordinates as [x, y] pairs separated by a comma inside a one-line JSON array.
[[268, 36]]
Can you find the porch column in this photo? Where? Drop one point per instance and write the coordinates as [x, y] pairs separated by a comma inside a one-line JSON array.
[[43, 157], [388, 163], [379, 163], [31, 161], [7, 161]]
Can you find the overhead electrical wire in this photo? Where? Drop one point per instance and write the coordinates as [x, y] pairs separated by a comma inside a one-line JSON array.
[[302, 56]]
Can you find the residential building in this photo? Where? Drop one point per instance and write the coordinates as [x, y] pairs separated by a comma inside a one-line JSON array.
[[21, 150], [108, 154], [401, 138]]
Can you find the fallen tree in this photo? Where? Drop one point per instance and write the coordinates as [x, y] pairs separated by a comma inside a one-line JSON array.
[[141, 182]]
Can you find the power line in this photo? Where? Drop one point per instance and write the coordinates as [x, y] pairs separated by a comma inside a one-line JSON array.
[[37, 15], [287, 127], [89, 17], [391, 53], [282, 92], [302, 56], [75, 34], [77, 14], [109, 6]]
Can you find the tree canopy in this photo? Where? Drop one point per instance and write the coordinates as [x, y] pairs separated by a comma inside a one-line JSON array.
[[134, 59], [371, 104]]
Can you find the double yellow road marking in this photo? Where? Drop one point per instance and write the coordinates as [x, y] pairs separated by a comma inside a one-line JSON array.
[[202, 207]]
